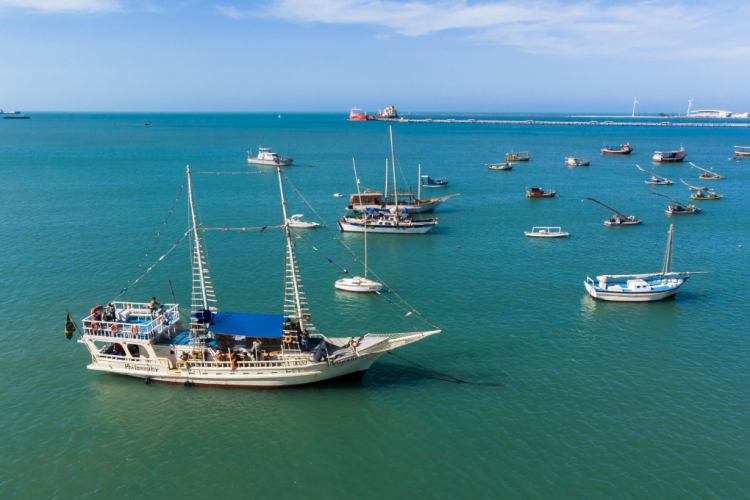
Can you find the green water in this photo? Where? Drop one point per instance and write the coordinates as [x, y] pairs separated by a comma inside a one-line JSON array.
[[583, 399]]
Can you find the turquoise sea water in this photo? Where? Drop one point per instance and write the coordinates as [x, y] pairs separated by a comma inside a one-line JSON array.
[[583, 399]]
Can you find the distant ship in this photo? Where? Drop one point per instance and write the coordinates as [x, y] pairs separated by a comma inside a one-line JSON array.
[[13, 115], [357, 115], [388, 113]]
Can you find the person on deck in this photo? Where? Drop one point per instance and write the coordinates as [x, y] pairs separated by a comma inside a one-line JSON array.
[[153, 306], [254, 349], [111, 314]]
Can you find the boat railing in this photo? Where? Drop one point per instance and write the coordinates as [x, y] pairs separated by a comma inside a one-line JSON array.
[[140, 359], [193, 363], [134, 321]]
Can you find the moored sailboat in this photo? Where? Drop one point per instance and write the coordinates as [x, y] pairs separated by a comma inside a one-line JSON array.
[[618, 218], [656, 180], [707, 175], [225, 349], [679, 208], [640, 287]]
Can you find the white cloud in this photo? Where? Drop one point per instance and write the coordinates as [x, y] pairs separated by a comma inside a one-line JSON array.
[[646, 28], [58, 6]]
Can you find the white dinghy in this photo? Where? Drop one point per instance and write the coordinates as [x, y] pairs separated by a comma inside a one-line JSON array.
[[297, 221], [546, 232]]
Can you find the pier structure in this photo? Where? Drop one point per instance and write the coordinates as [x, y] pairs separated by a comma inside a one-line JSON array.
[[607, 123]]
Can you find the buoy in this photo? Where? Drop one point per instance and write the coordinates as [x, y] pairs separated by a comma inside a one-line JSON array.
[[740, 246], [148, 380], [458, 246]]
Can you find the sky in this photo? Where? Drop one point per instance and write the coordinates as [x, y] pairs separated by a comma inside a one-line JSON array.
[[332, 55]]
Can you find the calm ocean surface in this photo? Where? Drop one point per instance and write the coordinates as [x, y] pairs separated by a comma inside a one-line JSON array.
[[583, 399]]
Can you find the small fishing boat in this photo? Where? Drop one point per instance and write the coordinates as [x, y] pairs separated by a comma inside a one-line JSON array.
[[618, 218], [537, 192], [622, 149], [708, 175], [702, 193], [546, 232], [640, 287], [429, 182], [572, 161], [679, 208], [359, 284], [520, 156], [674, 156], [501, 166], [742, 151], [297, 221], [656, 180], [267, 157]]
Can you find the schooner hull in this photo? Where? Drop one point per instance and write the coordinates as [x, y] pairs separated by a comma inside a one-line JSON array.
[[241, 377], [347, 227]]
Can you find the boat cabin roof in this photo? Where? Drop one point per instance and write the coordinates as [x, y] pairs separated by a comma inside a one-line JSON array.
[[248, 325]]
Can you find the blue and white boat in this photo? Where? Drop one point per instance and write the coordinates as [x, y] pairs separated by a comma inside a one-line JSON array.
[[639, 287], [429, 182]]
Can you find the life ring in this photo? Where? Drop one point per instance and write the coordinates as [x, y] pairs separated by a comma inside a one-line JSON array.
[[287, 339], [95, 327], [114, 328], [134, 330]]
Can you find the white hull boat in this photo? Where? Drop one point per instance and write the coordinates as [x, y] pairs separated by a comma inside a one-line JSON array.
[[546, 232], [222, 349], [639, 287], [266, 157], [359, 285], [296, 221], [386, 225]]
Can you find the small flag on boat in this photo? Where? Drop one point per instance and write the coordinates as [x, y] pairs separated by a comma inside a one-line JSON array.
[[70, 327]]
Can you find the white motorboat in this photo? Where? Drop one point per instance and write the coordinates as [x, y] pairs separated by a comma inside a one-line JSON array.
[[639, 287], [546, 232], [338, 195], [225, 349], [297, 221], [268, 157], [574, 161]]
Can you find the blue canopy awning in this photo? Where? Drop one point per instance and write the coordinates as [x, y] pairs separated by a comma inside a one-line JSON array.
[[248, 325]]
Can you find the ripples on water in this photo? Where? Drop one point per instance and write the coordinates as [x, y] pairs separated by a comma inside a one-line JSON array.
[[591, 399]]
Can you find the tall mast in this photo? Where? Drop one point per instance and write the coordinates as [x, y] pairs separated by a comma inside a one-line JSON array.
[[668, 254], [364, 212], [393, 166], [196, 237], [291, 264], [419, 181], [385, 191]]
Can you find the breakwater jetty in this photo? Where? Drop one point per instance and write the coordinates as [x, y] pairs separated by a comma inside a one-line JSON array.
[[592, 123]]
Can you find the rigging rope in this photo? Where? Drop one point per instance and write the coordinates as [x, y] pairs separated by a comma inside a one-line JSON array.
[[448, 377], [356, 258], [229, 173]]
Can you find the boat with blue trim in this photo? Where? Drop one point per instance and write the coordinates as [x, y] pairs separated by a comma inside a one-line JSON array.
[[640, 287]]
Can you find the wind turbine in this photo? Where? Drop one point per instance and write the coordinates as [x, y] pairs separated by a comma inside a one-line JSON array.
[[690, 103], [634, 103]]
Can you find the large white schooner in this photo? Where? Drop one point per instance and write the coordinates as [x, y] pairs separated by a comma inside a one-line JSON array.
[[227, 349]]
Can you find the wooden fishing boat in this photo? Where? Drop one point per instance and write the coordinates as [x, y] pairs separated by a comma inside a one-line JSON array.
[[622, 149], [656, 180], [546, 232], [702, 193], [502, 166], [640, 287], [520, 156], [679, 208], [429, 182], [618, 218], [572, 161], [742, 151], [708, 175], [674, 156], [537, 192]]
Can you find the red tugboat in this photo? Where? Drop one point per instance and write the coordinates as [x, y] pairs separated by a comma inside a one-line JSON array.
[[357, 115], [622, 149]]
